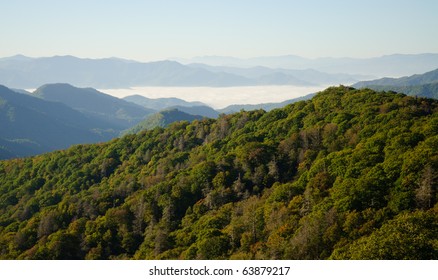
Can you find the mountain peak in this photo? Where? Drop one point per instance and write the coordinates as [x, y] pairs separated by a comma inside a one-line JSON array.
[[20, 56], [17, 57]]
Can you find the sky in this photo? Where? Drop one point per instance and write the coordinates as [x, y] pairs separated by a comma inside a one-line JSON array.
[[148, 30]]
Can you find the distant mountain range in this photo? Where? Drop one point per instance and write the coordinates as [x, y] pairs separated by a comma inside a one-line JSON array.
[[395, 65], [279, 76], [25, 72], [421, 85]]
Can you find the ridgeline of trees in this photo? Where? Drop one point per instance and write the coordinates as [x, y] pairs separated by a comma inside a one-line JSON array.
[[350, 174]]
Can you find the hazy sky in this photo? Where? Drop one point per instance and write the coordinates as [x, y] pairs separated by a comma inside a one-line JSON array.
[[158, 29]]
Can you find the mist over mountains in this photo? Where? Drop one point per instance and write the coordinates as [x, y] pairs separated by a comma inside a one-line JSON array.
[[394, 65], [333, 163], [160, 103], [118, 113], [56, 116], [25, 72]]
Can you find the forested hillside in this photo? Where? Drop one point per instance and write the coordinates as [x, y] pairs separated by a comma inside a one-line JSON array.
[[349, 174], [30, 126]]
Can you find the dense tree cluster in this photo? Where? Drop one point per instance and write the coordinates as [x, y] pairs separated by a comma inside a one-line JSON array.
[[348, 174]]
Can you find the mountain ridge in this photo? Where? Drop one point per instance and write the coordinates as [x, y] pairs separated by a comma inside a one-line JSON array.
[[413, 80], [393, 65], [163, 119], [108, 73], [348, 174], [31, 125], [160, 103], [117, 112], [421, 85], [26, 72]]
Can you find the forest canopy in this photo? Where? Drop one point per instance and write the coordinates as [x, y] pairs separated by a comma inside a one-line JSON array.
[[349, 174]]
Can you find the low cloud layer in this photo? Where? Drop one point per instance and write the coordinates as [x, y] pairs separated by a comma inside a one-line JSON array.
[[220, 97]]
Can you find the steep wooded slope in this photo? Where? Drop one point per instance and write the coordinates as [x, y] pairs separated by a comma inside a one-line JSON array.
[[347, 174]]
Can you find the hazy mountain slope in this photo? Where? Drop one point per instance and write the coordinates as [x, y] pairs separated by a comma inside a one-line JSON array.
[[160, 103], [279, 78], [108, 73], [291, 76], [19, 148], [30, 125], [25, 72], [414, 80], [119, 114], [421, 85], [395, 65], [20, 91], [425, 90], [163, 119], [348, 174], [204, 111], [265, 106]]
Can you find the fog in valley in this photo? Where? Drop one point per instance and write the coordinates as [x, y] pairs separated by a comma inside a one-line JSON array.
[[220, 97]]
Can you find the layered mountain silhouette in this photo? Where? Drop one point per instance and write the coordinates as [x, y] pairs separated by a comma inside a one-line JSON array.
[[25, 72], [160, 103], [282, 76], [22, 72], [264, 106], [193, 108], [30, 125], [421, 85], [395, 65], [163, 119], [56, 116], [118, 113]]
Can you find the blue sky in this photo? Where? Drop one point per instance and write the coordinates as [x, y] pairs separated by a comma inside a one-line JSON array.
[[153, 30]]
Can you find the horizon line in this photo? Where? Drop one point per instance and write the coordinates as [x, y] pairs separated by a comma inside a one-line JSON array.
[[20, 55]]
